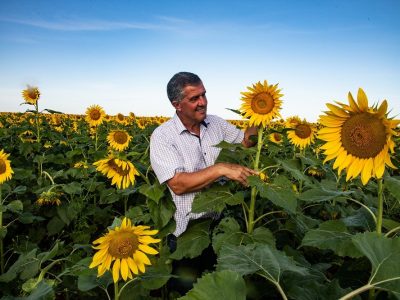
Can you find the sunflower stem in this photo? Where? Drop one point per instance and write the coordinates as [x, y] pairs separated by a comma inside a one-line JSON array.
[[380, 207], [96, 139], [37, 123], [250, 224], [116, 292], [1, 238]]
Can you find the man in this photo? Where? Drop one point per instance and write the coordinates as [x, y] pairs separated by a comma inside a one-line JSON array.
[[183, 152]]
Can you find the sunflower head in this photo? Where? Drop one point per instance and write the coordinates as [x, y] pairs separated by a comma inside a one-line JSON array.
[[49, 198], [122, 172], [5, 167], [31, 95], [261, 103], [359, 137], [125, 247], [95, 115], [276, 138], [119, 139], [302, 134]]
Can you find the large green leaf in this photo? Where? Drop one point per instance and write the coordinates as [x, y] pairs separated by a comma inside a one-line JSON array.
[[384, 255], [193, 241], [161, 212], [215, 198], [332, 235], [393, 185], [23, 260], [258, 258], [228, 232], [154, 192], [218, 285], [278, 192], [293, 167], [320, 194]]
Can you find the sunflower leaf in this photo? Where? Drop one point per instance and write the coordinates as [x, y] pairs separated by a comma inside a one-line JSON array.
[[279, 192], [393, 185], [384, 255], [193, 241], [332, 235], [215, 198], [218, 285], [154, 192], [262, 258], [321, 194]]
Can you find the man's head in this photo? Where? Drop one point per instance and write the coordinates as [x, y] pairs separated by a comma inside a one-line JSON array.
[[187, 94], [176, 85]]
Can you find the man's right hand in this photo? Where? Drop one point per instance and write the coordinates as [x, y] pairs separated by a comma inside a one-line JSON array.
[[236, 172]]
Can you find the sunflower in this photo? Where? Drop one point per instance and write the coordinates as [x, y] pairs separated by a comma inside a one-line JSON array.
[[5, 167], [49, 198], [120, 118], [358, 137], [95, 115], [302, 134], [126, 246], [276, 138], [119, 139], [261, 103], [121, 171], [31, 95]]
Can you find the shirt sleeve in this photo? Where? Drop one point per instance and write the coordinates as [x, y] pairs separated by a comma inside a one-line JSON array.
[[165, 160]]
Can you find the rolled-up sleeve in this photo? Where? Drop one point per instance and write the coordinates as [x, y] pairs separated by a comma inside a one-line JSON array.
[[164, 157]]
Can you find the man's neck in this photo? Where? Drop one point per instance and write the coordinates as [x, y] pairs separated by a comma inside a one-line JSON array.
[[190, 125]]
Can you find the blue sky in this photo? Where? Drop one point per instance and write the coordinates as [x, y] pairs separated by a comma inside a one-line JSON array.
[[121, 54]]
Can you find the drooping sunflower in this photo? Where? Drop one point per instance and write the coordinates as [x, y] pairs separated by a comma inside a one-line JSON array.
[[49, 198], [125, 247], [122, 172], [302, 134], [5, 167], [95, 115], [358, 137], [119, 139], [261, 103], [31, 95]]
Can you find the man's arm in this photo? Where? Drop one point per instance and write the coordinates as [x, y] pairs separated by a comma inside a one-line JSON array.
[[247, 140], [183, 182]]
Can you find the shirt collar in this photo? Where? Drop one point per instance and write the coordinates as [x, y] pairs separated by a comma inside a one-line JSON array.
[[181, 128]]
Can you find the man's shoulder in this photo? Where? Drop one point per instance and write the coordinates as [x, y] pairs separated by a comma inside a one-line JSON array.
[[164, 129], [215, 119]]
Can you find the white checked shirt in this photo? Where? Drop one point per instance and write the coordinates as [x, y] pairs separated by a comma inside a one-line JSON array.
[[173, 149]]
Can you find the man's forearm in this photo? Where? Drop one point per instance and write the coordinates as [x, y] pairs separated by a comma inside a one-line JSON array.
[[183, 183]]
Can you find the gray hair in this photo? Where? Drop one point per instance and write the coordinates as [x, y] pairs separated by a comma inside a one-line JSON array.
[[178, 82]]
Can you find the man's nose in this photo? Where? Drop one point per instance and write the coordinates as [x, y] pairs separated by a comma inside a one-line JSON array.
[[202, 100]]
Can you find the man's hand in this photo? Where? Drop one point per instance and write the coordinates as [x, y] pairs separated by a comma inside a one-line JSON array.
[[250, 137], [236, 172]]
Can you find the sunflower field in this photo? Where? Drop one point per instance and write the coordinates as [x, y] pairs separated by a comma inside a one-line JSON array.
[[82, 215]]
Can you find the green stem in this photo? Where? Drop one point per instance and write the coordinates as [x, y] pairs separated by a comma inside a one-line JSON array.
[[126, 284], [357, 291], [37, 123], [391, 231], [380, 207], [250, 224], [48, 175], [1, 239], [96, 139], [266, 214], [116, 293]]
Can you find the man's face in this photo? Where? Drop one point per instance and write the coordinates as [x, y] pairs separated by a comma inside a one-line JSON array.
[[193, 106]]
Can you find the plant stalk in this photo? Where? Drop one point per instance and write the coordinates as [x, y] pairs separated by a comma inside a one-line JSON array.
[[253, 196], [379, 216], [116, 292], [1, 239]]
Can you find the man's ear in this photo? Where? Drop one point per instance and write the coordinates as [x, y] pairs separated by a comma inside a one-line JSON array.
[[177, 105]]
